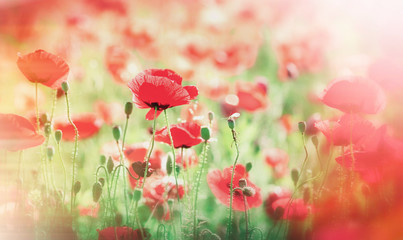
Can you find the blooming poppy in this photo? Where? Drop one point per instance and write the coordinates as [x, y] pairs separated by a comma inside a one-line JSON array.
[[18, 133], [157, 190], [354, 95], [310, 124], [293, 210], [87, 124], [220, 183], [43, 67], [278, 193], [184, 135], [350, 128], [161, 89], [229, 105], [236, 57], [278, 160], [252, 96], [124, 233]]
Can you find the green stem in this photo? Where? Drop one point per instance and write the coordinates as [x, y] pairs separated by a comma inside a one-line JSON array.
[[229, 223], [151, 148], [72, 196], [246, 217], [198, 179], [64, 171], [124, 177]]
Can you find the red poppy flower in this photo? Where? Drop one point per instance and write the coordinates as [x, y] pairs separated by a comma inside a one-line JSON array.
[[350, 127], [161, 88], [124, 233], [90, 211], [354, 95], [293, 210], [157, 190], [252, 96], [18, 133], [184, 135], [277, 194], [236, 57], [278, 160], [214, 89], [43, 67], [286, 122], [310, 124], [220, 182], [196, 112], [87, 124], [229, 105], [190, 158]]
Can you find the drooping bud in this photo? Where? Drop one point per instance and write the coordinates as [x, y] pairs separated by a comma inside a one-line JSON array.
[[248, 166], [77, 187], [50, 151], [231, 123], [101, 181], [117, 131], [210, 116], [118, 218], [315, 141], [65, 86], [44, 118], [242, 183], [96, 191], [47, 129], [102, 159], [294, 175], [248, 191], [137, 195], [205, 133], [110, 165], [302, 127], [58, 136], [169, 164], [128, 108]]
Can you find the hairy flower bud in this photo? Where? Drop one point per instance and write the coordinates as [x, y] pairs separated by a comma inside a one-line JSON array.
[[65, 86], [248, 191], [77, 187], [117, 132], [110, 165], [242, 183], [128, 108], [96, 191], [302, 127], [58, 136], [205, 133]]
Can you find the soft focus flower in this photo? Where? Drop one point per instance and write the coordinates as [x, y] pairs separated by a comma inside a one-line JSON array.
[[294, 209], [161, 89], [110, 113], [354, 95], [278, 160], [91, 210], [43, 67], [220, 183], [310, 124], [277, 194], [189, 158], [87, 124], [18, 133], [124, 233], [184, 135], [252, 96]]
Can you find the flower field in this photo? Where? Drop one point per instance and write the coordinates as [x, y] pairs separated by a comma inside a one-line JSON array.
[[201, 119]]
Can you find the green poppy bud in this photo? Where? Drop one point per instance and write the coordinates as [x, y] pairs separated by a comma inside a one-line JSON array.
[[137, 195], [231, 123], [294, 175], [210, 116], [58, 136], [65, 86], [110, 165], [205, 133], [102, 181], [169, 164], [302, 127], [77, 187], [117, 131], [248, 191], [44, 118], [315, 141], [248, 166], [102, 159], [96, 191], [47, 129], [50, 151], [128, 108]]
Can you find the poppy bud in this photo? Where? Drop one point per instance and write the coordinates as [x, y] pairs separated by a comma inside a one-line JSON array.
[[47, 129], [170, 202], [307, 195], [302, 127], [117, 131], [102, 159], [178, 170], [242, 183], [278, 213], [231, 123], [248, 166], [44, 118], [96, 191], [128, 108], [137, 195], [58, 136], [102, 181], [315, 141], [110, 165], [77, 187], [169, 164], [294, 175], [210, 116], [118, 218], [248, 191], [205, 133], [65, 86], [50, 151]]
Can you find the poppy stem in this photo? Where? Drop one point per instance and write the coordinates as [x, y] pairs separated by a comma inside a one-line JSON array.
[[151, 147], [64, 171], [72, 195], [124, 176], [37, 107], [229, 223], [107, 184], [198, 179], [246, 217]]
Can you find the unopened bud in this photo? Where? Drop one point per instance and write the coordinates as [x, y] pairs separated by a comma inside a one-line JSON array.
[[102, 159], [248, 191], [128, 108], [315, 141], [302, 127], [65, 86], [231, 123], [294, 175], [77, 187], [96, 191], [47, 129], [118, 218], [137, 195], [101, 181], [110, 165], [210, 116], [248, 166], [169, 164], [205, 133], [116, 132], [58, 136], [50, 151], [242, 183], [44, 118]]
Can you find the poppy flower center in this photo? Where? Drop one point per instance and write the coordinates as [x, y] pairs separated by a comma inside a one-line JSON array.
[[158, 105]]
